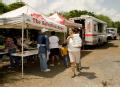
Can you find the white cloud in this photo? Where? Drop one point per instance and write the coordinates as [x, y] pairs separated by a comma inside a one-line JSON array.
[[8, 1], [35, 3], [112, 13], [96, 6]]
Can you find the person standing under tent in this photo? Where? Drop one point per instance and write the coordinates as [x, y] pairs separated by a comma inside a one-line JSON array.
[[54, 48], [43, 46], [12, 48], [74, 48]]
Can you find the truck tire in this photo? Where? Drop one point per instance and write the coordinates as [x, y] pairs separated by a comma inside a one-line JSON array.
[[109, 38], [99, 43]]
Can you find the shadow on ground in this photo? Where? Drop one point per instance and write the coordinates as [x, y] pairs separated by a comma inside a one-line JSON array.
[[8, 75], [104, 46], [85, 52], [36, 71], [82, 67], [117, 61], [12, 75], [109, 44], [89, 75]]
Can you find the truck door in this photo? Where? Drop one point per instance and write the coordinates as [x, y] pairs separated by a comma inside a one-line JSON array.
[[82, 30]]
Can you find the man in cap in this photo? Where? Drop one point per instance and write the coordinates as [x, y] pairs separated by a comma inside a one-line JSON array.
[[43, 46]]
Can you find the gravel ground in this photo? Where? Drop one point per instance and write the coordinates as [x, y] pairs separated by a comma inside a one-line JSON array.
[[101, 68]]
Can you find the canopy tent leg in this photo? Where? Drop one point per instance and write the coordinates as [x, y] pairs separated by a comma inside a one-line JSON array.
[[22, 47], [27, 34]]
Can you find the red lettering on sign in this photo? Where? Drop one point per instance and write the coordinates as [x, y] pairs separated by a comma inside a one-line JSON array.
[[38, 16]]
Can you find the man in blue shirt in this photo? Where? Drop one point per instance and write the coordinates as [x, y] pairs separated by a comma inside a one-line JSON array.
[[43, 46]]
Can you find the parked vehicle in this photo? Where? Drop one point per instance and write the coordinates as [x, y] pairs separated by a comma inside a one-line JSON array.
[[93, 31], [111, 33]]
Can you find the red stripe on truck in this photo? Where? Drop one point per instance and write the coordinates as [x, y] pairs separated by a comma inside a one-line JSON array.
[[90, 35], [88, 42]]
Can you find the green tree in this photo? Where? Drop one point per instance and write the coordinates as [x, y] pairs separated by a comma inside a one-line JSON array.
[[76, 13], [3, 8], [117, 25], [16, 5], [106, 19]]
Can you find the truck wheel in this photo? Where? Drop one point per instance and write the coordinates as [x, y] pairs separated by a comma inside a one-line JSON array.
[[109, 38], [99, 43], [106, 42]]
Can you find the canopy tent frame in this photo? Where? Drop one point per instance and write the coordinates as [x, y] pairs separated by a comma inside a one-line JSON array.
[[22, 44], [24, 21], [60, 19], [23, 27]]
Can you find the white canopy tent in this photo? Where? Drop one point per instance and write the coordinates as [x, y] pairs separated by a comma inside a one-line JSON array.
[[30, 18], [26, 17], [60, 19]]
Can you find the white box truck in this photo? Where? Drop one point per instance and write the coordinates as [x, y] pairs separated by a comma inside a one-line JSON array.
[[93, 30], [111, 33]]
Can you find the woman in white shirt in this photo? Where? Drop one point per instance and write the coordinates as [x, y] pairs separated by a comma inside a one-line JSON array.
[[74, 48]]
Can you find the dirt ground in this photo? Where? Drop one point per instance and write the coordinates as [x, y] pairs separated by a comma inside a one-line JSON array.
[[100, 68]]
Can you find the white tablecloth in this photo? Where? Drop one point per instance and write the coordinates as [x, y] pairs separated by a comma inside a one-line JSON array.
[[26, 53], [1, 53]]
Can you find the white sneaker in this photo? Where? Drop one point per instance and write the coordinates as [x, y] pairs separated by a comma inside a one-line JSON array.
[[47, 70]]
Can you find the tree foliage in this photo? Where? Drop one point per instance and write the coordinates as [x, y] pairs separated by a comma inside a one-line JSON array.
[[15, 5], [106, 19], [117, 25], [77, 13], [3, 8]]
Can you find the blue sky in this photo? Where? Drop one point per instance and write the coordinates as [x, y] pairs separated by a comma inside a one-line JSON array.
[[109, 8]]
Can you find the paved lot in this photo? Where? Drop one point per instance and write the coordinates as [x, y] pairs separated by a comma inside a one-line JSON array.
[[101, 68]]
